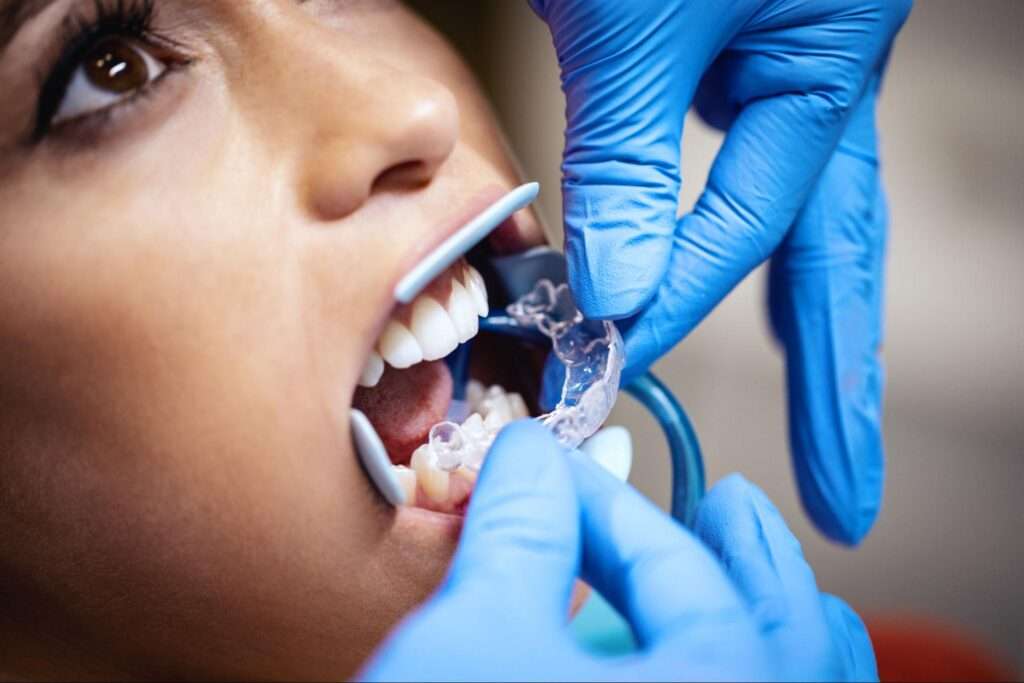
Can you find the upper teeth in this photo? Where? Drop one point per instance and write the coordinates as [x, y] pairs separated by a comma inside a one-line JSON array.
[[434, 328]]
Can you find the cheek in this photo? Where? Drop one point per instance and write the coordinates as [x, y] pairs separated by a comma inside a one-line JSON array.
[[163, 434], [174, 555]]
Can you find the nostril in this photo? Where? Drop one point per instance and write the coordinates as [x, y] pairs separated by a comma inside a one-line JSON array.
[[394, 141], [403, 176]]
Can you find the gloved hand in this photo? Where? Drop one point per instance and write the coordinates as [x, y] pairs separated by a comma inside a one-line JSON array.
[[736, 601], [794, 85]]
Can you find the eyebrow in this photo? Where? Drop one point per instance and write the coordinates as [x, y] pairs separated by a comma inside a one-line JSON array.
[[14, 14]]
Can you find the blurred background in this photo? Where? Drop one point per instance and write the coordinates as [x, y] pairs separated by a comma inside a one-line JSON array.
[[949, 543]]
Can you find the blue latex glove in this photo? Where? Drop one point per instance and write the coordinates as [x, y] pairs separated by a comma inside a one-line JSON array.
[[736, 601], [793, 82]]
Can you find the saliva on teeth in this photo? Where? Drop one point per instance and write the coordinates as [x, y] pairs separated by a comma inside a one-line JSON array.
[[442, 471]]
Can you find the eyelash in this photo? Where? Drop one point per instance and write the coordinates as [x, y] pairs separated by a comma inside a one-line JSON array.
[[128, 19]]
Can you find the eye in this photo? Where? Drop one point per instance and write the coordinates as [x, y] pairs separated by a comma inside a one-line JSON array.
[[112, 71]]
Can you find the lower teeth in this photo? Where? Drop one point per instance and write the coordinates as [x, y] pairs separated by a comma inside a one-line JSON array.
[[453, 445], [456, 451]]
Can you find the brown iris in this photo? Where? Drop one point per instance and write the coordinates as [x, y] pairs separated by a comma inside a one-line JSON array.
[[116, 66]]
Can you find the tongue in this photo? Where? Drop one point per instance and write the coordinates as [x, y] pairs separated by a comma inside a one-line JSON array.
[[405, 405]]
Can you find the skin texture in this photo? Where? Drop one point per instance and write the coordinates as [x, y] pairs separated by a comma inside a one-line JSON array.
[[188, 291]]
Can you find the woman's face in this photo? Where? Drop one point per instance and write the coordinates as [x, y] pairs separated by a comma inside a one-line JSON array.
[[201, 222]]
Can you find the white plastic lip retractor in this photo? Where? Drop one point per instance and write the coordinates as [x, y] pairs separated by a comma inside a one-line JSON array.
[[372, 453], [464, 239], [374, 457]]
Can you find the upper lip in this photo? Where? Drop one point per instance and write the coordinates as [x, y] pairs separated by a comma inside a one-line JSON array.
[[449, 225]]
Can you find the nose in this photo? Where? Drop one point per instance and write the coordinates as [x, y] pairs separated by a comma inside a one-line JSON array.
[[394, 137], [359, 124]]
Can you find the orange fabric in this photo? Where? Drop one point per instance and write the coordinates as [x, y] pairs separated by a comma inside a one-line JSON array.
[[918, 649]]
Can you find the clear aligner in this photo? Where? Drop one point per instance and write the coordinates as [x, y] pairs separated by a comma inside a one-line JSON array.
[[592, 354]]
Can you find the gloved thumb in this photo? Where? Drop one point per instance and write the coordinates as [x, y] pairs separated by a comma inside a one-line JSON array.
[[521, 536], [508, 589]]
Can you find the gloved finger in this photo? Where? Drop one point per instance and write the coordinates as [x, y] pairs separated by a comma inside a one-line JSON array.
[[520, 541], [851, 641], [629, 71], [825, 299], [507, 592], [508, 589], [760, 179], [659, 577], [764, 560]]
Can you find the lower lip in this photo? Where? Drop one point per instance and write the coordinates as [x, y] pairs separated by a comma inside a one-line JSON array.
[[440, 522]]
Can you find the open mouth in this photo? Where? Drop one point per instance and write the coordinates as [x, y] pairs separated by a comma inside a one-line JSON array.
[[446, 374], [431, 367], [434, 384]]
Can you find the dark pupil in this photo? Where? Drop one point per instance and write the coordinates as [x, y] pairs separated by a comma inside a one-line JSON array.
[[116, 67]]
